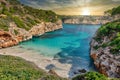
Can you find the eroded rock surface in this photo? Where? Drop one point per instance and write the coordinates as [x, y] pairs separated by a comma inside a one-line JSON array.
[[107, 62], [16, 35]]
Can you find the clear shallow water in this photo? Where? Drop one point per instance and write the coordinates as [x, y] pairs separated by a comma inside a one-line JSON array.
[[70, 45]]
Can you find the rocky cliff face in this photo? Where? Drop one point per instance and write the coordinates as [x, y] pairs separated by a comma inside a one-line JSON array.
[[16, 35], [6, 39], [105, 62], [45, 27], [89, 19], [105, 50], [19, 22]]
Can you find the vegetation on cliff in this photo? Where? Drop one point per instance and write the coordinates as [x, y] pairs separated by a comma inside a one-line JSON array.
[[105, 47], [23, 16], [15, 68], [110, 31], [113, 11], [91, 76]]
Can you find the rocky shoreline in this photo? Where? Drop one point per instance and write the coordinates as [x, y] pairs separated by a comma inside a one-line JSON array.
[[89, 19], [16, 35], [106, 63]]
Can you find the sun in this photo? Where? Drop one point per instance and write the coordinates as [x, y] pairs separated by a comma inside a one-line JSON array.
[[85, 11]]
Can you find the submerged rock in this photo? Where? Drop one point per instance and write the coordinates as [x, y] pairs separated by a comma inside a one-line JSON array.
[[82, 71], [51, 66]]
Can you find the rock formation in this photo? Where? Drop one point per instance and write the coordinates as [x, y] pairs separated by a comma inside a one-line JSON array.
[[107, 62], [9, 38], [89, 19]]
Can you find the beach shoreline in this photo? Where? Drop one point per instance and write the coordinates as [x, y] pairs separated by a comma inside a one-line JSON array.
[[41, 61]]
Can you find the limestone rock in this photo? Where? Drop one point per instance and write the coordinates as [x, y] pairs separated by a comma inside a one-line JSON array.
[[9, 38], [107, 63], [90, 19]]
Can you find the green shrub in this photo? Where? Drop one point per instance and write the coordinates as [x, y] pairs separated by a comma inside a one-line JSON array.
[[31, 21], [16, 32], [3, 26], [52, 77], [111, 31], [24, 16], [20, 23], [91, 76], [113, 11], [15, 68]]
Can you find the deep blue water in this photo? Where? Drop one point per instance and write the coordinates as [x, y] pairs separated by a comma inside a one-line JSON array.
[[70, 45]]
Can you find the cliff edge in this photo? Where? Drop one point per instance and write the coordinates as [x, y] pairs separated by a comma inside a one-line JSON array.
[[105, 46], [20, 23], [105, 49]]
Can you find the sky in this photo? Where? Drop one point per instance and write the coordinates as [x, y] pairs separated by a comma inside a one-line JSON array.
[[74, 7]]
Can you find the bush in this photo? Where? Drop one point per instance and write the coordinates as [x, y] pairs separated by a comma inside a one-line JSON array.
[[91, 76], [24, 16], [19, 23], [15, 68], [52, 77], [113, 11], [16, 32], [112, 32], [3, 27]]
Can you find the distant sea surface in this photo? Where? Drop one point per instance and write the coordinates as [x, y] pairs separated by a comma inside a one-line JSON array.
[[68, 45]]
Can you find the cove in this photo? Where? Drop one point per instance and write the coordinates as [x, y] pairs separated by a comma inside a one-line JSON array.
[[68, 45]]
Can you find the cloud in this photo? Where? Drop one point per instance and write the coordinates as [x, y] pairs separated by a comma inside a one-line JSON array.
[[116, 0], [63, 6], [50, 4]]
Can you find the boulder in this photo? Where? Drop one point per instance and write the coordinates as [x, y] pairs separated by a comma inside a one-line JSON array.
[[82, 71]]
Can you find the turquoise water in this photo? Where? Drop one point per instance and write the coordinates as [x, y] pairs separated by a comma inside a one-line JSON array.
[[68, 45]]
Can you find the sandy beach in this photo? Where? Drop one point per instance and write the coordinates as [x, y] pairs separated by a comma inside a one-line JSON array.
[[41, 61]]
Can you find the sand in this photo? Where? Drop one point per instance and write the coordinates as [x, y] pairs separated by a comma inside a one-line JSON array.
[[41, 61]]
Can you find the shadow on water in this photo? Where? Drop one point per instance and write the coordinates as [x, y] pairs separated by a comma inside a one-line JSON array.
[[45, 36], [78, 57], [69, 45], [77, 52]]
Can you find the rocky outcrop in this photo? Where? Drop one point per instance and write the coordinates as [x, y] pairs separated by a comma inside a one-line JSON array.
[[105, 50], [107, 63], [45, 27], [89, 19], [7, 40], [16, 35]]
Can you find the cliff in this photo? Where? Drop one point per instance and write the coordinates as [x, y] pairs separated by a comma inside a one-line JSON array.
[[114, 11], [19, 22], [105, 49], [89, 19], [16, 35]]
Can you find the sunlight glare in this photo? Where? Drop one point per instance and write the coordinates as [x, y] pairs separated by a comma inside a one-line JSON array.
[[86, 11]]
